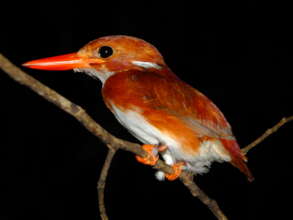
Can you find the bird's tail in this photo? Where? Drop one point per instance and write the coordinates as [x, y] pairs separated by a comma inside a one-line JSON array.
[[238, 159]]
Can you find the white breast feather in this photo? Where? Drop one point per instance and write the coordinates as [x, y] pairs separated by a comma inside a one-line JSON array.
[[141, 129]]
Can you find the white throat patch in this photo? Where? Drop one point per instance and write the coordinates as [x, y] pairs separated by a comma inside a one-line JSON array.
[[102, 75], [146, 64]]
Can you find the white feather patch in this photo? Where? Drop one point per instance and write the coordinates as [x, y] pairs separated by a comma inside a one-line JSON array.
[[160, 175], [169, 160], [209, 152], [102, 75], [146, 64], [142, 129]]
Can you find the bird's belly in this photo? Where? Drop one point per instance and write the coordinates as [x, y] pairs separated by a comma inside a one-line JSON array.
[[199, 162], [139, 127]]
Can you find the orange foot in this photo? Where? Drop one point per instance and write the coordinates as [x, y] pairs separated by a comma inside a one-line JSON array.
[[151, 158], [177, 169]]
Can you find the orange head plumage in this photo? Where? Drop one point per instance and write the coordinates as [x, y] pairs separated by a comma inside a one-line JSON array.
[[154, 104], [106, 55]]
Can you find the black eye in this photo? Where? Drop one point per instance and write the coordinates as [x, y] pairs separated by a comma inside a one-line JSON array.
[[105, 51]]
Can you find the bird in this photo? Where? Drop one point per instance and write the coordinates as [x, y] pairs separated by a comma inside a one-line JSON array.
[[173, 120]]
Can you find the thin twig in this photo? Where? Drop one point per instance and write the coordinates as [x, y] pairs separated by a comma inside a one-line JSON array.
[[102, 183], [267, 134]]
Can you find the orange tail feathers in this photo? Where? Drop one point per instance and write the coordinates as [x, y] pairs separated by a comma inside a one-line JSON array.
[[238, 158]]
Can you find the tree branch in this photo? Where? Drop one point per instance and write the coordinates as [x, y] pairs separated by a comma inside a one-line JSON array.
[[113, 142], [267, 134], [102, 182], [80, 114], [197, 192]]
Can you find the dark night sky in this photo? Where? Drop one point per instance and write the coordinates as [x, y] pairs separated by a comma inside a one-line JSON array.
[[238, 54]]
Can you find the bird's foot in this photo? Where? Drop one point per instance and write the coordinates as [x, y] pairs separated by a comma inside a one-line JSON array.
[[151, 158], [177, 169]]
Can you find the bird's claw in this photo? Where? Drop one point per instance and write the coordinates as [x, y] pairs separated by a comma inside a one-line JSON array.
[[151, 158], [177, 169]]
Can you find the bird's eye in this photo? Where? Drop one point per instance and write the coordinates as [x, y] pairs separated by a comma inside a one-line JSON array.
[[105, 51]]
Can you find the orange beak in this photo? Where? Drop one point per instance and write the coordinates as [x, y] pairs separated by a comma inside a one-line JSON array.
[[63, 62]]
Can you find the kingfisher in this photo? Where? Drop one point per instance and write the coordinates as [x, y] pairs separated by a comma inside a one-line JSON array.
[[171, 118]]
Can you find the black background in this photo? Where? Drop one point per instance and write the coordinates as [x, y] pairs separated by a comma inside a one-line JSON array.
[[238, 54]]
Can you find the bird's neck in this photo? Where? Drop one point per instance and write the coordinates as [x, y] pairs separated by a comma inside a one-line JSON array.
[[104, 73]]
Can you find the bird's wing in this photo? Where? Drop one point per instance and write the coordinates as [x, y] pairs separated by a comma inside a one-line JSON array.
[[175, 97], [166, 93]]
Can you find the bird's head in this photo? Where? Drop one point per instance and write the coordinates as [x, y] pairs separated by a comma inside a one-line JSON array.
[[104, 57]]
